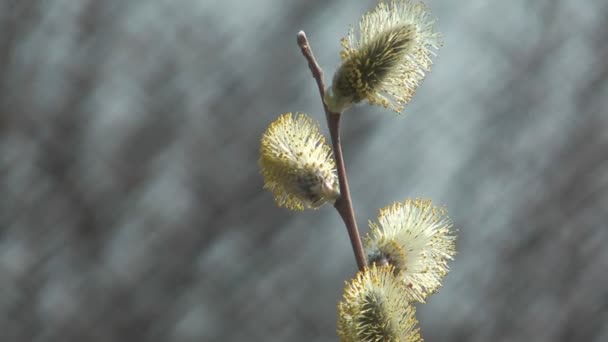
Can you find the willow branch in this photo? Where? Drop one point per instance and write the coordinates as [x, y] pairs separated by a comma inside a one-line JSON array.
[[343, 204]]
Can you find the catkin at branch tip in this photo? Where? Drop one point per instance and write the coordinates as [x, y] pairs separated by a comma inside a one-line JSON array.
[[387, 60]]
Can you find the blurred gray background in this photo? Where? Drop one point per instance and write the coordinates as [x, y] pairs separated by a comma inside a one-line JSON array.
[[131, 206]]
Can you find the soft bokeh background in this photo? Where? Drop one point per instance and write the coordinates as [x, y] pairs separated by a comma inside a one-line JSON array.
[[131, 206]]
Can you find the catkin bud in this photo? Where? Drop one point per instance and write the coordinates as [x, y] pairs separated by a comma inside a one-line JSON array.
[[297, 164], [384, 64]]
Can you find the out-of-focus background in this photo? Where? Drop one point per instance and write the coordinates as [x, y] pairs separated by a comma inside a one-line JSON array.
[[131, 206]]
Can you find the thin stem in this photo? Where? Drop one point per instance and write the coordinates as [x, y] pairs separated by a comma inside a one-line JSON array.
[[343, 204]]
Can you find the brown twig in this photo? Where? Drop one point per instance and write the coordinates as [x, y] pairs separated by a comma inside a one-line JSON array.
[[343, 204]]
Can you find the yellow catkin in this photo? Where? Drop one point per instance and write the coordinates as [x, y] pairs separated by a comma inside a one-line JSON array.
[[415, 237], [375, 307], [296, 163], [387, 60]]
